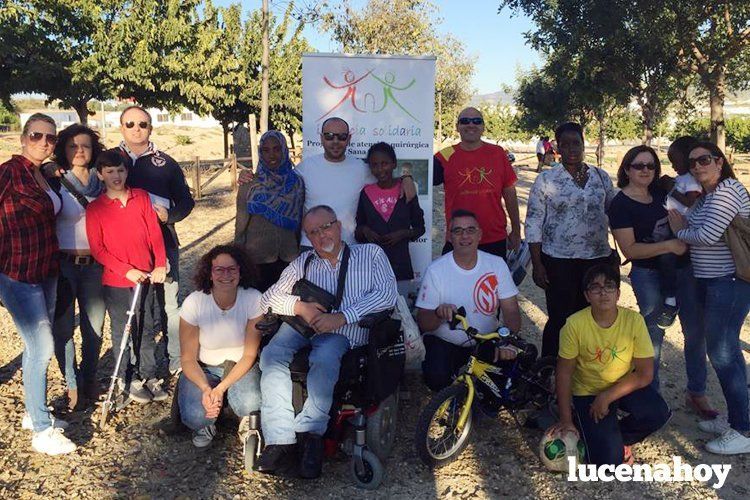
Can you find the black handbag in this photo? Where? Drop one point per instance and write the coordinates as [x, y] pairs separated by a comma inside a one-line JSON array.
[[310, 292]]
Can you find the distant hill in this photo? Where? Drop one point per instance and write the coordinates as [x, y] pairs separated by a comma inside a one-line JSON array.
[[499, 97]]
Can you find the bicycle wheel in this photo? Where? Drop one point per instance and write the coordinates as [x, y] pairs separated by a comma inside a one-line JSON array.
[[544, 396], [438, 439]]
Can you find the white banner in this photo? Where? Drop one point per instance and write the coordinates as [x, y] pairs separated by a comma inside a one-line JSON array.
[[384, 99]]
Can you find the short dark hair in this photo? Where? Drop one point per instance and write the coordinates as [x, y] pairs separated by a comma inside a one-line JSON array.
[[461, 212], [248, 271], [568, 127], [680, 148], [622, 176], [138, 107], [608, 271], [333, 118], [109, 158], [68, 134], [726, 169], [381, 147]]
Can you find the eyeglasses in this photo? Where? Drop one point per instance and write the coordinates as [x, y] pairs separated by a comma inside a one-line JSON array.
[[225, 270], [642, 166], [599, 289], [458, 231], [140, 124], [329, 136], [476, 120], [38, 136], [702, 160], [320, 230]]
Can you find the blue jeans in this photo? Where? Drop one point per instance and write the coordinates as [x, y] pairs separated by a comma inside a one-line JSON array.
[[279, 423], [32, 307], [84, 285], [243, 396], [168, 299], [725, 302], [646, 286], [604, 440]]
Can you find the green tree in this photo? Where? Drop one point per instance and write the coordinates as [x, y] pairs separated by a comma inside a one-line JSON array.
[[406, 27]]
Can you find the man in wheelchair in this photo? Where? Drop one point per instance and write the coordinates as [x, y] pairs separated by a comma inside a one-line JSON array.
[[321, 297]]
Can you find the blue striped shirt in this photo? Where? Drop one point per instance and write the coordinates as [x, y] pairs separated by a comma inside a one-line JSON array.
[[370, 287], [707, 222]]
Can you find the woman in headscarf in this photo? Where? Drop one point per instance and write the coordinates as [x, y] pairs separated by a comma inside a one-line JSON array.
[[269, 215]]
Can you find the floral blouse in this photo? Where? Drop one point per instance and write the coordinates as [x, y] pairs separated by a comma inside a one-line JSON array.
[[569, 221]]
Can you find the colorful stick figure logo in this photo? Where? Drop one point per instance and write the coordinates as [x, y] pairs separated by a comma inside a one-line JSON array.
[[485, 298]]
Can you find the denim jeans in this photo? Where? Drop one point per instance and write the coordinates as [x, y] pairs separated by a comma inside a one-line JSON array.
[[648, 412], [647, 289], [167, 294], [243, 396], [32, 307], [279, 423], [82, 284], [142, 330], [725, 302]]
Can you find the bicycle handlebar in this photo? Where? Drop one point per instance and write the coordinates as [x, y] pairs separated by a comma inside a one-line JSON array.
[[503, 333]]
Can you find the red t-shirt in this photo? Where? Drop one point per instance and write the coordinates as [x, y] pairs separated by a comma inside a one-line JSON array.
[[124, 237], [474, 181]]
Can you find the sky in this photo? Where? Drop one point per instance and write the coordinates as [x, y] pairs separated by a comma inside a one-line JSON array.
[[496, 40]]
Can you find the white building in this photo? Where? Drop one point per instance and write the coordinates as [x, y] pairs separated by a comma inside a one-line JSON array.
[[160, 118]]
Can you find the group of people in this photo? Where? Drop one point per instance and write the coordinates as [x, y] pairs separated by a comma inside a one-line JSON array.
[[100, 222]]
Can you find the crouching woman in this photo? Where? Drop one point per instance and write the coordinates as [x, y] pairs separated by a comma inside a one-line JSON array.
[[606, 364], [219, 343]]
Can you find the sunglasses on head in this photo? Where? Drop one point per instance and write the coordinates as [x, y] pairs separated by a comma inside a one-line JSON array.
[[476, 121], [132, 124], [702, 160], [38, 136], [642, 166], [329, 136]]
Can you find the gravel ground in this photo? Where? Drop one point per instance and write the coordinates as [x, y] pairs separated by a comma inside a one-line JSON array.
[[133, 457]]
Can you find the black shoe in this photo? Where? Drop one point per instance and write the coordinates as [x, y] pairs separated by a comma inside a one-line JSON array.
[[666, 316], [311, 461], [276, 458]]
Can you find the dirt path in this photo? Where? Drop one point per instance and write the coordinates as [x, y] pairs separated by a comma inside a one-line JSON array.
[[133, 458]]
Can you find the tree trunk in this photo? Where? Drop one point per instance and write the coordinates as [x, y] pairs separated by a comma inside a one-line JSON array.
[[225, 129], [648, 125], [717, 92], [600, 146], [82, 108]]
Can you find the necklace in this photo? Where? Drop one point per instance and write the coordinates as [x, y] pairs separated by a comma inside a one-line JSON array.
[[224, 309], [581, 175]]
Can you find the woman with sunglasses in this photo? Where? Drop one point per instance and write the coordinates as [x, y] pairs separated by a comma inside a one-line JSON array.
[[28, 272], [219, 343], [661, 275], [80, 277], [723, 299], [269, 210]]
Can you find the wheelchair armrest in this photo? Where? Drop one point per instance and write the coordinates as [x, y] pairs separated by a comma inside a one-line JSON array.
[[370, 320], [268, 323]]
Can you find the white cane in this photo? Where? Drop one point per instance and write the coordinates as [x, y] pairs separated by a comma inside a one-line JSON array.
[[123, 345]]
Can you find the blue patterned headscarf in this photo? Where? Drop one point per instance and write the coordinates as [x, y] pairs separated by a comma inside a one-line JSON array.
[[277, 194]]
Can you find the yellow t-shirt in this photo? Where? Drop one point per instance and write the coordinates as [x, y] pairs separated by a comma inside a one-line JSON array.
[[603, 355]]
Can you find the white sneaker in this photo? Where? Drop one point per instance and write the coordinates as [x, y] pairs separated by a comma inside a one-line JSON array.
[[718, 425], [51, 441], [203, 436], [28, 425], [730, 442]]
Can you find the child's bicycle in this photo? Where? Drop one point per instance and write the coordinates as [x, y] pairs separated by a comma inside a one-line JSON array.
[[522, 384]]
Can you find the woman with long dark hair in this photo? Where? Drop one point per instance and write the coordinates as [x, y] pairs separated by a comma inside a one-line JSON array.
[[80, 277], [28, 272], [722, 297]]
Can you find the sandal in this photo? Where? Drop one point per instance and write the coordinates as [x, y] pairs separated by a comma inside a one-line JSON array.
[[701, 406]]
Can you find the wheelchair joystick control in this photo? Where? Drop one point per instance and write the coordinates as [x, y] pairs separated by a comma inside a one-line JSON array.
[[503, 332]]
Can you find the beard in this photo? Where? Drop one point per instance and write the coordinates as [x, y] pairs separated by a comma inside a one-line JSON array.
[[328, 247]]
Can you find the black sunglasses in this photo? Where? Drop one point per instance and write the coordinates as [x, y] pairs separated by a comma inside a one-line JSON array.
[[329, 136], [38, 136], [476, 121], [703, 160], [642, 166], [140, 124]]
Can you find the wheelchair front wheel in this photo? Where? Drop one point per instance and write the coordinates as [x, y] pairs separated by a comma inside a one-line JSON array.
[[438, 439], [368, 474], [251, 451], [381, 427]]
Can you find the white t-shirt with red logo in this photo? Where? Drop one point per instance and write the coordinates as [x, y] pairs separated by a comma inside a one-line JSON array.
[[478, 290]]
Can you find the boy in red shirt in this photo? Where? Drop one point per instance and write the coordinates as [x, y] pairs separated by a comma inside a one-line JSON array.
[[125, 238]]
